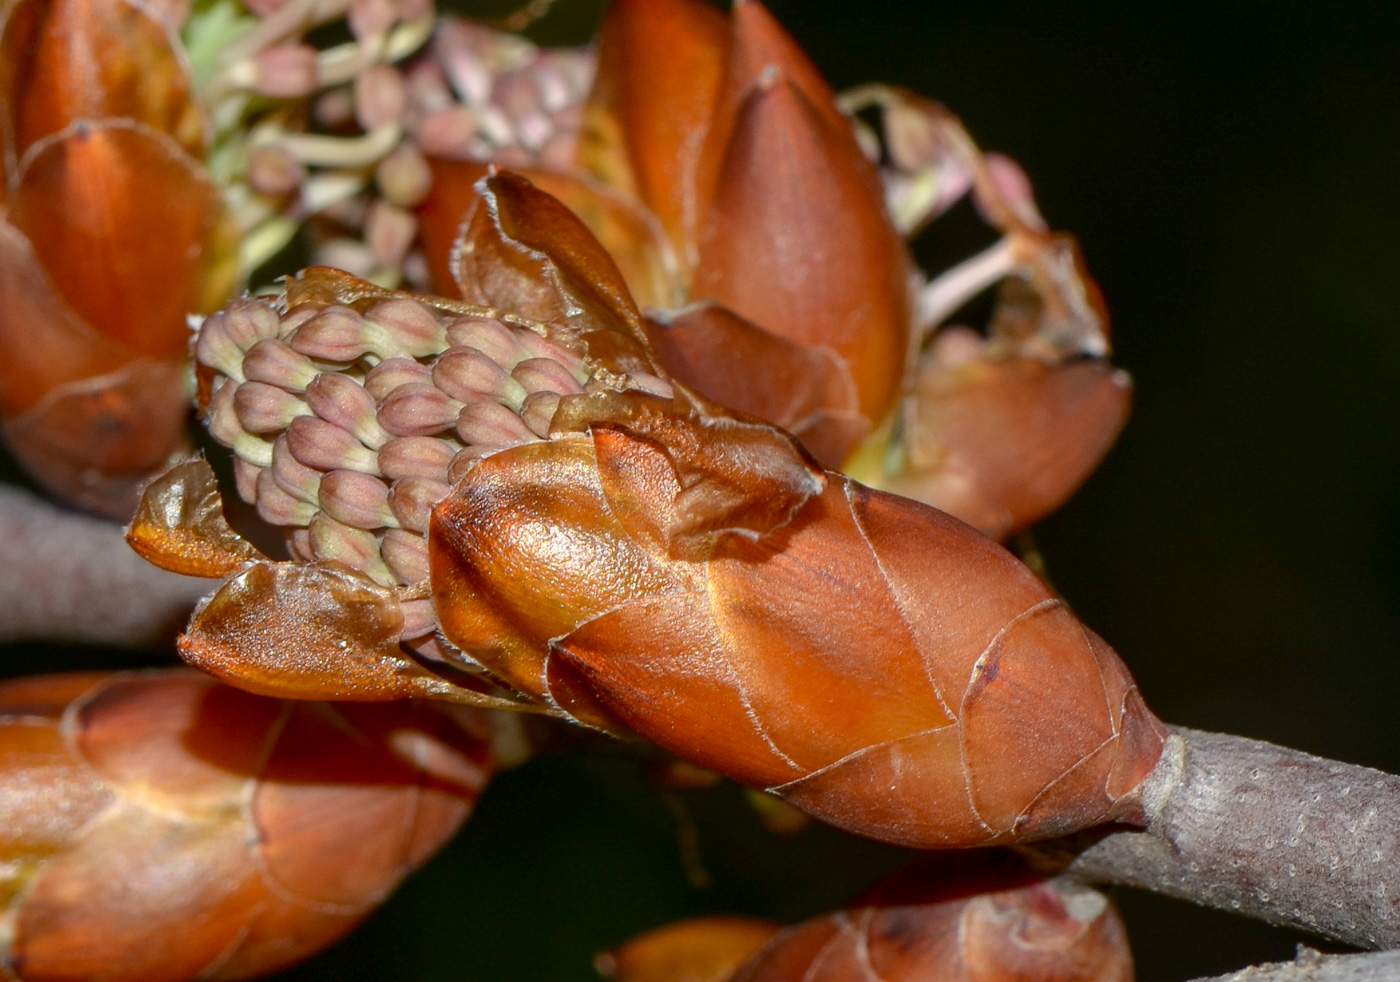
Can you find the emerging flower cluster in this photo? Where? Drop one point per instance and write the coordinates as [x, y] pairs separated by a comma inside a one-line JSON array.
[[348, 427]]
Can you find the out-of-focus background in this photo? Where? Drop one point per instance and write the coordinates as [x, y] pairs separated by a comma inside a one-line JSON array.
[[1230, 170]]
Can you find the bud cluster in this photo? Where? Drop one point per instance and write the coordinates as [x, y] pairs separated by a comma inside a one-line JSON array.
[[348, 427], [474, 93]]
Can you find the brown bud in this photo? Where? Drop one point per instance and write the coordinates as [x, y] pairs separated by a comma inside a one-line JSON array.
[[963, 919], [147, 806], [873, 661], [702, 949]]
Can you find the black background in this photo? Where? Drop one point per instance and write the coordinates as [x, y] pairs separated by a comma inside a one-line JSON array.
[[1230, 170]]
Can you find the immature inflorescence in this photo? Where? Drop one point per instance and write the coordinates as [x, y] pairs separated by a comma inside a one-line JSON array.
[[348, 427]]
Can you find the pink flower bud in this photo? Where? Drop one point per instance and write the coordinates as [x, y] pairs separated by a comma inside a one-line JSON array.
[[537, 346], [342, 401], [406, 553], [245, 478], [338, 334], [354, 547], [277, 507], [390, 232], [418, 410], [538, 412], [489, 424], [274, 362], [370, 20], [411, 324], [380, 97], [287, 71], [292, 476], [264, 408], [545, 375], [248, 321], [391, 373], [357, 499], [469, 375], [412, 501], [404, 177], [419, 618], [326, 447], [214, 349], [272, 170], [424, 457], [492, 338]]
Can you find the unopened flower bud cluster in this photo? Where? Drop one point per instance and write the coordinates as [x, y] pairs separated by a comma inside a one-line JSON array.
[[348, 428], [473, 94]]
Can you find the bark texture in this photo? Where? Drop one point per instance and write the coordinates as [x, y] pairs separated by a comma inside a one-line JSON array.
[[72, 577], [1311, 966], [1262, 830]]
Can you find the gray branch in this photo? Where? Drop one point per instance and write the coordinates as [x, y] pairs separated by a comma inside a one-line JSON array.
[[1311, 966], [72, 577], [1261, 830]]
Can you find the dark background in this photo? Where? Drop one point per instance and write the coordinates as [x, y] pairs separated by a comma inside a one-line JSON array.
[[1229, 169]]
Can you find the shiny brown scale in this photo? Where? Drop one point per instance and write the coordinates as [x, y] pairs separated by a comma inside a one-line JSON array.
[[875, 662], [103, 195], [981, 918], [203, 832]]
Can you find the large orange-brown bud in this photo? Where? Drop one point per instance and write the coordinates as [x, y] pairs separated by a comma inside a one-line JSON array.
[[627, 554], [871, 660], [110, 233], [977, 920], [158, 827]]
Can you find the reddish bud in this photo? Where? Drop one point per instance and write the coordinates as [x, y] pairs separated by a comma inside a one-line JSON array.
[[416, 456], [323, 446], [703, 949], [391, 373], [357, 499], [204, 830], [416, 409]]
